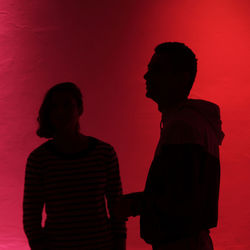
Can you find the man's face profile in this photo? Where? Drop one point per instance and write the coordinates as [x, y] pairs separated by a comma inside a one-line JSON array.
[[163, 85], [159, 79]]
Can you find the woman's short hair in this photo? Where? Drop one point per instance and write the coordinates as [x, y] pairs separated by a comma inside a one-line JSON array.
[[45, 128]]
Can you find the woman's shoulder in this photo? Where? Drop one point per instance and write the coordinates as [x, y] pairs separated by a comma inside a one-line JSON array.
[[41, 150], [101, 143]]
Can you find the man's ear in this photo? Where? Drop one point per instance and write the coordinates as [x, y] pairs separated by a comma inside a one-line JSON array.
[[186, 76], [184, 79]]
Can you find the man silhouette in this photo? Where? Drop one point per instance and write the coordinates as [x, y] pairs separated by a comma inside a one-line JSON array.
[[180, 201]]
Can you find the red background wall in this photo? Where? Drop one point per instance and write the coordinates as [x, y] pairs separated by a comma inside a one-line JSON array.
[[104, 47]]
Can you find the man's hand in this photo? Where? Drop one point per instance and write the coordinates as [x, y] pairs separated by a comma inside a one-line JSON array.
[[122, 208], [120, 244], [127, 205]]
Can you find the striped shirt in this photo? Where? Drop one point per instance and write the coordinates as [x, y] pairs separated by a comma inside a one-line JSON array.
[[75, 189]]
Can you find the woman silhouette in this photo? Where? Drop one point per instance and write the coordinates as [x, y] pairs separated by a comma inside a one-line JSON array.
[[74, 176]]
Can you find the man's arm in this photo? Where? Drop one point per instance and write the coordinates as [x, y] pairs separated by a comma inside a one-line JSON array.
[[177, 180], [175, 177], [179, 184]]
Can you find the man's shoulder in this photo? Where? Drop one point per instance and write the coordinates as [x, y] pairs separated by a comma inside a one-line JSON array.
[[180, 131], [187, 116], [187, 127]]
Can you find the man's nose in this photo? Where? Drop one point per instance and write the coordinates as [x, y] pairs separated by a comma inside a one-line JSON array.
[[146, 76]]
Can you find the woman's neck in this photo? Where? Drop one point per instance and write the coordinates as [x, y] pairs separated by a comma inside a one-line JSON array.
[[67, 137], [70, 142]]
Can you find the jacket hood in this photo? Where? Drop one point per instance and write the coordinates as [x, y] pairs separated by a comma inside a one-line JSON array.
[[210, 112]]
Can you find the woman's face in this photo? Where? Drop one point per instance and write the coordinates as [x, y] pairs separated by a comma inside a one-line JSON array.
[[64, 113]]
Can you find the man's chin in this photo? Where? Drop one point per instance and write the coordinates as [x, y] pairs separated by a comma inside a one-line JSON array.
[[150, 96]]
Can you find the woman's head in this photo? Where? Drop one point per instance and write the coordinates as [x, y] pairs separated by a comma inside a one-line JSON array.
[[61, 108]]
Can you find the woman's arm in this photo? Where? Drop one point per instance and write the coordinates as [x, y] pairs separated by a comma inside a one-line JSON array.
[[33, 202], [113, 192]]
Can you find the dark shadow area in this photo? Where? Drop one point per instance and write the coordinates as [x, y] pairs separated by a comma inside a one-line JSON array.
[[75, 176]]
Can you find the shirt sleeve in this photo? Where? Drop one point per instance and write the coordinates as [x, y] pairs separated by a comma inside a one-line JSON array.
[[114, 191], [33, 202]]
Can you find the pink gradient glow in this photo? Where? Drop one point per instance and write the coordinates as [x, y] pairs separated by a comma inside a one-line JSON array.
[[104, 47]]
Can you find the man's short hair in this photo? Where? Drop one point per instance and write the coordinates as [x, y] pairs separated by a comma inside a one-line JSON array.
[[181, 57]]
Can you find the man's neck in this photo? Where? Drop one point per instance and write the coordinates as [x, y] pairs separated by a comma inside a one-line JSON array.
[[168, 109]]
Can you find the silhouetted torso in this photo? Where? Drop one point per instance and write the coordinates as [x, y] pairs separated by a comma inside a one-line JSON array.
[[73, 187], [185, 173]]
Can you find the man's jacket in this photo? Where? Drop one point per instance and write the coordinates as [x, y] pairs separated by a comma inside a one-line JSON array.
[[182, 188]]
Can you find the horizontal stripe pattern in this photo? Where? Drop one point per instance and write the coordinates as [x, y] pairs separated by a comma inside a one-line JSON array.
[[73, 189]]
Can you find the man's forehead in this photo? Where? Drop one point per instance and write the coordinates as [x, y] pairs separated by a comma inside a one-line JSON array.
[[159, 59]]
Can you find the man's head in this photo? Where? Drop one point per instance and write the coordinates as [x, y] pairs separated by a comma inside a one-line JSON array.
[[171, 73]]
